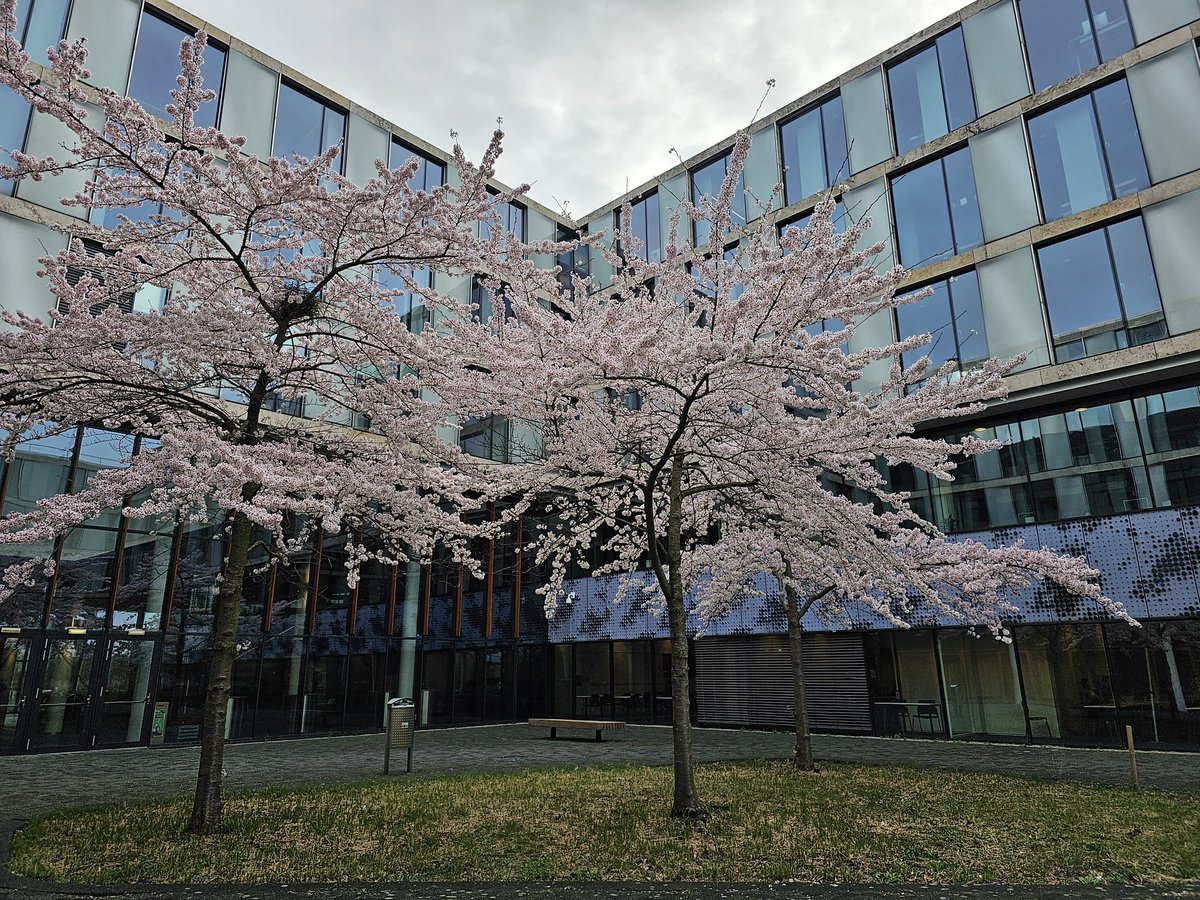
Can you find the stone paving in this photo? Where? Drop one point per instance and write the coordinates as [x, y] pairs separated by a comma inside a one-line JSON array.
[[33, 784]]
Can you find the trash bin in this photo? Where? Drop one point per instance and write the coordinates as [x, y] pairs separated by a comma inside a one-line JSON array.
[[401, 724]]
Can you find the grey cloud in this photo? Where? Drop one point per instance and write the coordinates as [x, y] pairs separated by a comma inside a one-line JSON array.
[[593, 94]]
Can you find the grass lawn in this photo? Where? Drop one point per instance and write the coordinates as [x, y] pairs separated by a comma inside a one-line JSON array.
[[846, 823]]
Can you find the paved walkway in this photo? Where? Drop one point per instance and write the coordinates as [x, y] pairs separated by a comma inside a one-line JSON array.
[[33, 784]]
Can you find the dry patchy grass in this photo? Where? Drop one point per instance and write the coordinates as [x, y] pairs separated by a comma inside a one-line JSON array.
[[846, 823]]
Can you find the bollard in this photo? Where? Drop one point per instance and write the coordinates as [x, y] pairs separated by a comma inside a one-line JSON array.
[[1132, 755], [401, 723]]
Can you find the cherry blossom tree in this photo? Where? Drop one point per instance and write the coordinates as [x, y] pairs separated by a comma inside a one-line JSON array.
[[700, 417], [276, 280]]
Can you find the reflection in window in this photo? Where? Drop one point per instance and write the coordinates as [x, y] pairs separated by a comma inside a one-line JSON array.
[[406, 301], [1170, 425], [306, 126], [14, 124], [931, 92], [815, 154], [430, 173], [1101, 291], [1066, 37], [644, 224], [801, 222], [706, 185], [936, 209], [953, 316], [509, 217], [40, 25], [156, 68], [1088, 151], [485, 437]]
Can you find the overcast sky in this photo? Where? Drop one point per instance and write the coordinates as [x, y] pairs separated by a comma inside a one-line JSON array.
[[593, 94]]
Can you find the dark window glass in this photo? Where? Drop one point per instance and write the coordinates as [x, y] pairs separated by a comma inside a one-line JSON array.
[[1101, 292], [644, 223], [14, 123], [510, 218], [429, 175], [40, 25], [706, 185], [305, 126], [1066, 37], [931, 92], [156, 67], [1088, 151], [801, 222], [815, 154], [937, 212], [953, 315]]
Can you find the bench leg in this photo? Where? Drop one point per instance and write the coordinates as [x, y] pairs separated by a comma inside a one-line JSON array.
[[599, 739], [553, 733]]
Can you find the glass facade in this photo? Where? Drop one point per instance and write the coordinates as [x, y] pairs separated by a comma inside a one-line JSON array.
[[1095, 460], [156, 66], [1101, 291], [953, 315], [936, 210], [815, 153], [706, 185], [41, 24], [644, 224], [1066, 37], [430, 173], [931, 92], [14, 125], [306, 125], [1088, 151]]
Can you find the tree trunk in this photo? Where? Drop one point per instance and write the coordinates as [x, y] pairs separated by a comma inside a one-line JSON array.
[[802, 757], [687, 803], [206, 808]]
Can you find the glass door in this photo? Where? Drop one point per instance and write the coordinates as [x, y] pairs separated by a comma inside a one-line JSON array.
[[59, 719], [123, 710], [15, 654]]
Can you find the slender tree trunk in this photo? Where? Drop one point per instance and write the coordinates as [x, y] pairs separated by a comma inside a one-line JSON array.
[[802, 757], [206, 807], [687, 803]]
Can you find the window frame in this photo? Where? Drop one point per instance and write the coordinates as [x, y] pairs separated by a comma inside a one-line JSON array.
[[818, 108], [722, 158], [925, 47], [188, 31], [1089, 92], [954, 249], [283, 81], [1116, 281]]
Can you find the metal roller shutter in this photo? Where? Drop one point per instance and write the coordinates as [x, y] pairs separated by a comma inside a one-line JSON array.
[[748, 681]]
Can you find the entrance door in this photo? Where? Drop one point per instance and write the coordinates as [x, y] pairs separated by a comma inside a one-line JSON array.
[[123, 713], [67, 677], [15, 656]]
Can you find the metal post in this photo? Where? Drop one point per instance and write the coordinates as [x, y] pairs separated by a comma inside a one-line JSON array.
[[1132, 755]]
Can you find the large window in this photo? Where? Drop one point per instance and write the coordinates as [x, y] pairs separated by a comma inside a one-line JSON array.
[[706, 185], [815, 153], [306, 126], [40, 25], [156, 66], [936, 209], [1101, 292], [953, 316], [645, 226], [1066, 37], [430, 172], [14, 124], [1102, 459], [1088, 151], [509, 218], [931, 92]]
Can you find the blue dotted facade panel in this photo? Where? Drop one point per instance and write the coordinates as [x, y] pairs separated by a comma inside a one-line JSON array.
[[1148, 562]]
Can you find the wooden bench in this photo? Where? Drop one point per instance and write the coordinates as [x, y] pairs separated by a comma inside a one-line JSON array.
[[597, 725]]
